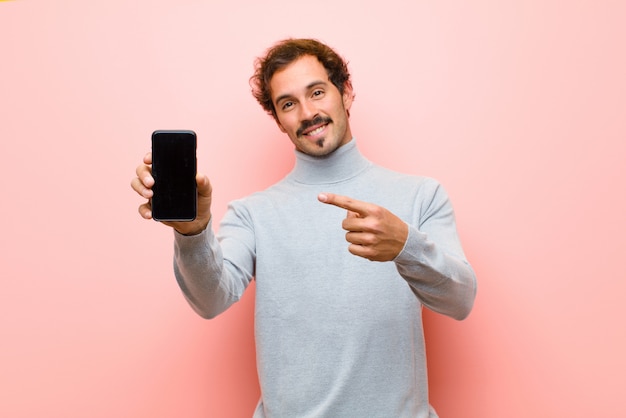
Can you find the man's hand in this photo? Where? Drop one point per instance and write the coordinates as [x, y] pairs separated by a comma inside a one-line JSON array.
[[373, 232], [143, 183]]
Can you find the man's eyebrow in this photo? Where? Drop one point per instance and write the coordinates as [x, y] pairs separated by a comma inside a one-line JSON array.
[[308, 87]]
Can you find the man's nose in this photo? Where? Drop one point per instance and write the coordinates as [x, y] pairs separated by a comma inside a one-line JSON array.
[[308, 111]]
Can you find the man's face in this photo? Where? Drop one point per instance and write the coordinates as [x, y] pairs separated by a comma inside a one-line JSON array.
[[309, 108]]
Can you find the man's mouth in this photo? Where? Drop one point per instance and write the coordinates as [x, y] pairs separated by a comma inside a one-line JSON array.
[[313, 127], [315, 131]]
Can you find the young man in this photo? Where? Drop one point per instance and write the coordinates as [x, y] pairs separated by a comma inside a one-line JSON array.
[[337, 335]]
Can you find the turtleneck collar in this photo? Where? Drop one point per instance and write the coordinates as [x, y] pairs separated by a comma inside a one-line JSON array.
[[343, 164]]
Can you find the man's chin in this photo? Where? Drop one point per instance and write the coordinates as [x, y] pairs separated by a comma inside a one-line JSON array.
[[318, 150]]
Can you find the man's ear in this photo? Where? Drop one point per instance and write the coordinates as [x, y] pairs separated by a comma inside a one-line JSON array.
[[348, 97]]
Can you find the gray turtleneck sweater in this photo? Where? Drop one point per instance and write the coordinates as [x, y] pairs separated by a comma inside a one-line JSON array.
[[337, 336]]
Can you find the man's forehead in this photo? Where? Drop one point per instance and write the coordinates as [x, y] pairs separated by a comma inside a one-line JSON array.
[[301, 74]]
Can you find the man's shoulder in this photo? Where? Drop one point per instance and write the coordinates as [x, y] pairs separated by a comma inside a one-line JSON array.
[[402, 179], [279, 189]]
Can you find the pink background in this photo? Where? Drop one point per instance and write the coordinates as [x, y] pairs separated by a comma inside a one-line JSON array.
[[517, 107]]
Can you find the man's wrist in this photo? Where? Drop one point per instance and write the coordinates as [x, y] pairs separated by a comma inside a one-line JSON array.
[[193, 231]]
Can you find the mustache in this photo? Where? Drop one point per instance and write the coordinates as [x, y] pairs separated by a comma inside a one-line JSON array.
[[318, 120]]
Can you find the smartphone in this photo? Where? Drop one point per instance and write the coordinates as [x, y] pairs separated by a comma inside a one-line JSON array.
[[174, 171]]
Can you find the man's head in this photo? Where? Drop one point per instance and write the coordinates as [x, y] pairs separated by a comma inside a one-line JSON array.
[[306, 87], [284, 53]]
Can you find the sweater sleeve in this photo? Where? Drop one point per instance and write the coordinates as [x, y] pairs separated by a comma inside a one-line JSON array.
[[432, 260], [209, 278]]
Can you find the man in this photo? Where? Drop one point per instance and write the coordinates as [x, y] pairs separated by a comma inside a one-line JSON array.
[[337, 335]]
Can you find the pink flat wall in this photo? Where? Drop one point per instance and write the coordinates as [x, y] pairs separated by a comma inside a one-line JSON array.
[[518, 108]]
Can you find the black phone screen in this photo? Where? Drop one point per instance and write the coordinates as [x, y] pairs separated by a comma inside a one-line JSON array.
[[174, 173]]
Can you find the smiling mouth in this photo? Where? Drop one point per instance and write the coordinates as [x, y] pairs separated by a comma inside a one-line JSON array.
[[315, 131], [313, 127]]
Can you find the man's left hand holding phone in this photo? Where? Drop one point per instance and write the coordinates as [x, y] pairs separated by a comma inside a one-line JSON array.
[[177, 195]]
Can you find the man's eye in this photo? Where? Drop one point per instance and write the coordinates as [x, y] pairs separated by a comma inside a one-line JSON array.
[[318, 93], [287, 105]]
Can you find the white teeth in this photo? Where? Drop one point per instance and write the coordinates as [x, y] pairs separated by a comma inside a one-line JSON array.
[[316, 131]]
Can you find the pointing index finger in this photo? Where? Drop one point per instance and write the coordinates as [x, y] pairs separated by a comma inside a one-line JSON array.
[[344, 202]]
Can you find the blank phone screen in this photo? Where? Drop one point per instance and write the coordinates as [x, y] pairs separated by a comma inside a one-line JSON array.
[[174, 173]]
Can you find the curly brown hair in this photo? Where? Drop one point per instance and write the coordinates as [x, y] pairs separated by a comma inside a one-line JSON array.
[[284, 53]]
